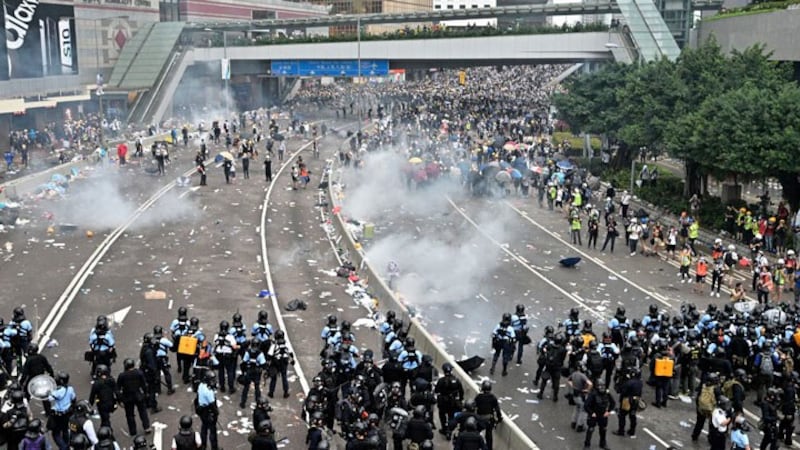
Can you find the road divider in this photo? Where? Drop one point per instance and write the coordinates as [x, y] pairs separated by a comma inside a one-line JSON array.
[[507, 434]]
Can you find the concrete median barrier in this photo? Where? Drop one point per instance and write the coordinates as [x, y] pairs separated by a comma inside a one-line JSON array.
[[22, 185], [507, 435]]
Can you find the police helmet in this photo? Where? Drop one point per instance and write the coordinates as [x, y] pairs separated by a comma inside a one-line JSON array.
[[573, 313], [265, 426], [33, 348], [224, 326], [332, 320], [486, 386], [470, 405], [390, 315], [263, 317], [182, 313], [158, 330], [237, 319], [104, 433], [102, 370], [345, 325], [140, 442], [17, 397], [78, 441], [19, 314], [419, 412], [506, 318], [520, 309], [280, 336], [447, 368], [471, 424], [62, 378], [194, 322], [185, 422]]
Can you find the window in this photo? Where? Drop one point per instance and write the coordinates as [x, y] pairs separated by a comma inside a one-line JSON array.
[[449, 6], [437, 6], [474, 6], [462, 6]]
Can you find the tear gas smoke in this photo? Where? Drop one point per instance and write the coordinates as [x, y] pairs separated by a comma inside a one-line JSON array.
[[101, 204]]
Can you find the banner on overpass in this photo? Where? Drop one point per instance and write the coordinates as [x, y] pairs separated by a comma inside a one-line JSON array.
[[330, 68]]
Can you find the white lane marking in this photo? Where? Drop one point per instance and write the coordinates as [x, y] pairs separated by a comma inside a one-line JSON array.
[[523, 263], [656, 296], [658, 439]]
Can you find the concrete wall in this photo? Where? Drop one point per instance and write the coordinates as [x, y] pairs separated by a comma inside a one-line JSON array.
[[573, 47], [507, 435], [778, 30]]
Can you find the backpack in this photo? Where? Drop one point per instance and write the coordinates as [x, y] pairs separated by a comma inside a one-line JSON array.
[[766, 367], [706, 400], [645, 232], [595, 362], [727, 388]]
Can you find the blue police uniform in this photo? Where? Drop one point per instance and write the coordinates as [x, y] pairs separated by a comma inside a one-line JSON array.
[[503, 343], [520, 325], [208, 412], [253, 362], [101, 343], [262, 332], [61, 399]]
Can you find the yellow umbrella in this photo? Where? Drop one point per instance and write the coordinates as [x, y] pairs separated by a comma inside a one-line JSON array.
[[415, 160], [227, 155]]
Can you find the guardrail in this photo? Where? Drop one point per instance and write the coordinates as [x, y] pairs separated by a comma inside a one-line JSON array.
[[20, 185], [507, 435]]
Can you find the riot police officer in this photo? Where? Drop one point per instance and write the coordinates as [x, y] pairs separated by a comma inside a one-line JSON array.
[[253, 363], [186, 438], [163, 346], [519, 322], [225, 349], [105, 440], [503, 339], [239, 332], [104, 394], [101, 344], [196, 332], [280, 357], [60, 403], [24, 331], [207, 410], [262, 330], [488, 410], [179, 328], [450, 394], [35, 364], [410, 359], [132, 387], [149, 366], [80, 423]]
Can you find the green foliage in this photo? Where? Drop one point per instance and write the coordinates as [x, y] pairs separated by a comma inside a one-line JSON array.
[[723, 114], [753, 8]]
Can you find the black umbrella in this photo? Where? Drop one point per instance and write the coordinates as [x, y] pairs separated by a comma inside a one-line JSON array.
[[570, 262], [471, 364]]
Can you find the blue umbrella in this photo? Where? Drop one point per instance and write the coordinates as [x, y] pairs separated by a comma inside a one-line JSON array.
[[516, 174], [504, 165], [565, 164], [519, 164]]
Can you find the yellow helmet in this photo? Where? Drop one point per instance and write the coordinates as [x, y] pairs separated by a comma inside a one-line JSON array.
[[742, 210]]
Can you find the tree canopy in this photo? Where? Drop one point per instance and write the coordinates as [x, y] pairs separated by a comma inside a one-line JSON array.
[[723, 114]]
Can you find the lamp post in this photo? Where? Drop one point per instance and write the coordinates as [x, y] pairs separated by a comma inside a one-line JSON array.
[[358, 30], [226, 74]]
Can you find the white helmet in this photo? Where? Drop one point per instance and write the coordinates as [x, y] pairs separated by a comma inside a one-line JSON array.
[[781, 262], [731, 247], [790, 253], [718, 241]]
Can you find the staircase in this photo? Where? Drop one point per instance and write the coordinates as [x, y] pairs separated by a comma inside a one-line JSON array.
[[653, 38]]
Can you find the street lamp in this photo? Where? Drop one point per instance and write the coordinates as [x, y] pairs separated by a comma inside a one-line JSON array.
[[227, 73], [358, 30]]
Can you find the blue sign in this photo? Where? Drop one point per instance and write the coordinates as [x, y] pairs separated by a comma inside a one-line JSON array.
[[329, 68]]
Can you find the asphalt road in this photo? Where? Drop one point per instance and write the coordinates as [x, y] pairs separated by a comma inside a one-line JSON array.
[[202, 247], [507, 252]]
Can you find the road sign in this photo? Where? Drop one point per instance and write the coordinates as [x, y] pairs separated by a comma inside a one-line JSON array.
[[329, 68]]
